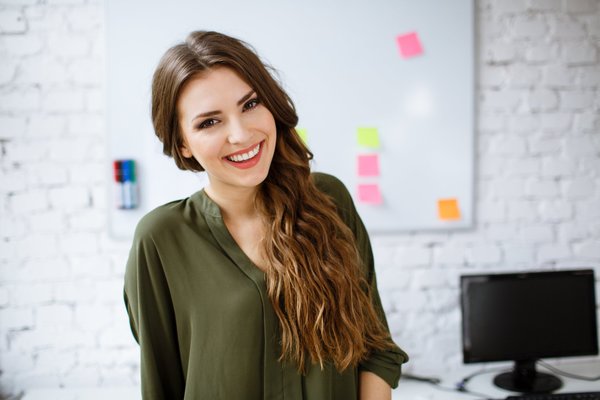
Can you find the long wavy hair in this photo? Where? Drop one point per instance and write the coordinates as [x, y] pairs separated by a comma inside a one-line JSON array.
[[314, 276]]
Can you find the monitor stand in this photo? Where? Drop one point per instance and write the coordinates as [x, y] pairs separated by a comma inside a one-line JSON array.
[[525, 379]]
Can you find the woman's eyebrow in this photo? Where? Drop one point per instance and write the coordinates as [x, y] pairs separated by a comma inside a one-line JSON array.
[[246, 97], [212, 113]]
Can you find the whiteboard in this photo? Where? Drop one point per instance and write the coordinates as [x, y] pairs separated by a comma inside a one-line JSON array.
[[341, 64]]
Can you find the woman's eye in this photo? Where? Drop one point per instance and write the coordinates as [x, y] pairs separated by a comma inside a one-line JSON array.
[[251, 103], [207, 123]]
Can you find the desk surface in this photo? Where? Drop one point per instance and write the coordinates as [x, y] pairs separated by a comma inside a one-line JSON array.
[[482, 384], [407, 390]]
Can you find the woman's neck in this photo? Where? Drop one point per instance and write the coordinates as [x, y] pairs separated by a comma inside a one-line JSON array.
[[235, 204]]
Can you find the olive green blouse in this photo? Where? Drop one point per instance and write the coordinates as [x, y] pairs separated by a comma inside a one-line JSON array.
[[199, 310]]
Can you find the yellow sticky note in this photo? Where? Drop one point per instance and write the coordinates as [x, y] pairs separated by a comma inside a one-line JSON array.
[[368, 137], [303, 135], [448, 209]]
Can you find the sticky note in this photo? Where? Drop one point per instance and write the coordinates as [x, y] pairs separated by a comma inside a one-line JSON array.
[[303, 135], [368, 165], [448, 209], [409, 45], [369, 194], [368, 137]]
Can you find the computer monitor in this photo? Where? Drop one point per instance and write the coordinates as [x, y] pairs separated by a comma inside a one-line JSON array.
[[523, 317]]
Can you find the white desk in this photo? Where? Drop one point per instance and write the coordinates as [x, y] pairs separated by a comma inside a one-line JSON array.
[[407, 390], [414, 390]]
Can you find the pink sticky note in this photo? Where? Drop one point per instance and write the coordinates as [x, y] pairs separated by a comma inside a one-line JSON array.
[[368, 165], [369, 194], [409, 44]]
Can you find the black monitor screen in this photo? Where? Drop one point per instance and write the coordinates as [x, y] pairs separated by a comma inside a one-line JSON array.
[[527, 316]]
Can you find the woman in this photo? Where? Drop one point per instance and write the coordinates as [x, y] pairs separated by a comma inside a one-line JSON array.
[[261, 285]]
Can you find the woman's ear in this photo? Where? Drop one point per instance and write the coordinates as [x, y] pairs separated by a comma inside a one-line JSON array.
[[185, 151]]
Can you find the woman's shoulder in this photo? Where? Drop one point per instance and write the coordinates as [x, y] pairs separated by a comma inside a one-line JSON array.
[[161, 219], [333, 187], [327, 182], [337, 191]]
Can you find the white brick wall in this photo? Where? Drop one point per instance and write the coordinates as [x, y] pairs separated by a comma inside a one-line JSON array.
[[62, 319]]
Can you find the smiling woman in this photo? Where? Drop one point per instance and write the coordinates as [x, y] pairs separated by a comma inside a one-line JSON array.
[[261, 285], [238, 133]]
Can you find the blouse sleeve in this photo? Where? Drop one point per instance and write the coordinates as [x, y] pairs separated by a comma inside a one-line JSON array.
[[152, 320], [387, 364]]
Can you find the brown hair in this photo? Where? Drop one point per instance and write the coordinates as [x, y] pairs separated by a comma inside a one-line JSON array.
[[314, 277]]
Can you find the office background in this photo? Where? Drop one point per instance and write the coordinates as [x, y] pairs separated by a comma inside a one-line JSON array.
[[537, 206]]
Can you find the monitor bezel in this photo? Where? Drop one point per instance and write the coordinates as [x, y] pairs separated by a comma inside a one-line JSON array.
[[468, 357]]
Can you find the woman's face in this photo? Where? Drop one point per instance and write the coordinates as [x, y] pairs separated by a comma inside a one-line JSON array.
[[227, 129]]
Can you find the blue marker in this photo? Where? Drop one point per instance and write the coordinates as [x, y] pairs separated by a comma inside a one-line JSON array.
[[129, 184]]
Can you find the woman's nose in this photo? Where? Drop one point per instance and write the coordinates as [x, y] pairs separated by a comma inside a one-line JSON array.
[[238, 132]]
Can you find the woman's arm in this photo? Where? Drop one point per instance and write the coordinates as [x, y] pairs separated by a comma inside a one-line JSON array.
[[372, 387], [385, 365], [151, 315]]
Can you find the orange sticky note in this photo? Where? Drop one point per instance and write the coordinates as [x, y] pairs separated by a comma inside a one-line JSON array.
[[409, 45], [368, 165], [369, 194], [448, 209]]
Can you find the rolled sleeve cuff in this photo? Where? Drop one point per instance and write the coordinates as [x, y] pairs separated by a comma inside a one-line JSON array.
[[385, 364]]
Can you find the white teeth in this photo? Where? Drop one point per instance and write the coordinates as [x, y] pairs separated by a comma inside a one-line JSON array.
[[245, 156]]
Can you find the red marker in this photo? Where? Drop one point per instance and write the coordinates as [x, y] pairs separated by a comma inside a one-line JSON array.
[[120, 191]]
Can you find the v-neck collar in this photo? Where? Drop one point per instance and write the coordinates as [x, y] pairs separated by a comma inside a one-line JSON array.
[[280, 380], [216, 224]]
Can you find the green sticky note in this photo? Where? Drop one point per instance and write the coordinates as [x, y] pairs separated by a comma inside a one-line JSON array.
[[368, 137], [303, 135]]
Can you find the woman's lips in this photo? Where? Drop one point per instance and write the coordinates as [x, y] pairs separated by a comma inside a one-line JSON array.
[[246, 158]]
